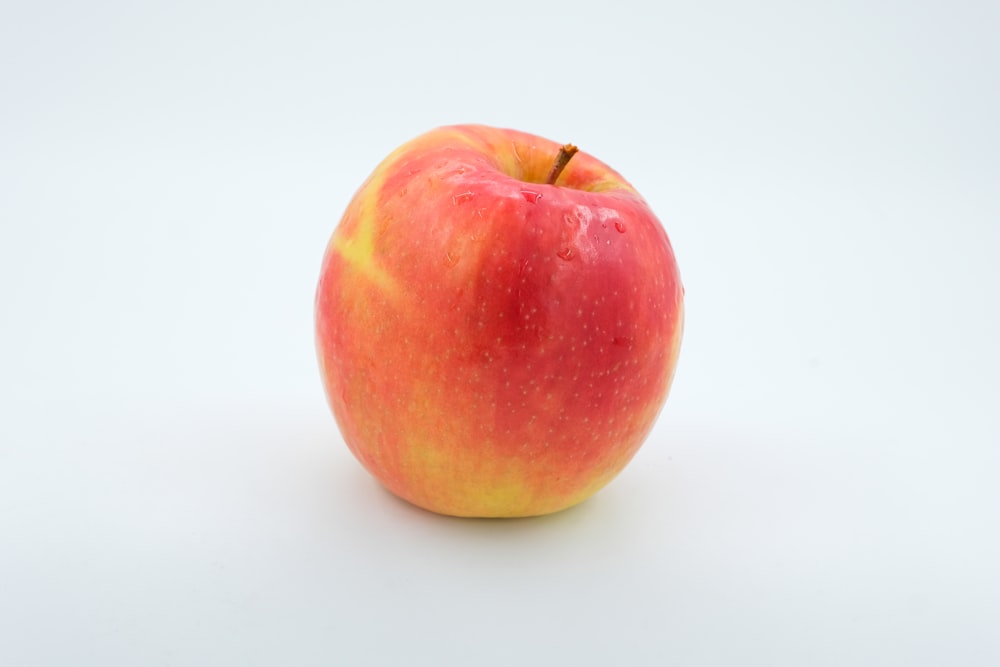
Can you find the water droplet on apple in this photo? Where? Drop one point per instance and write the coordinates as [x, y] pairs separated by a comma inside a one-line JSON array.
[[462, 197], [620, 226], [531, 197], [565, 253]]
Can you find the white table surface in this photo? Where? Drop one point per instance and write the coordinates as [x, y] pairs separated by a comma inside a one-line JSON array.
[[823, 487]]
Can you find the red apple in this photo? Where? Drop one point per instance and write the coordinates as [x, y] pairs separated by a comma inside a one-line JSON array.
[[497, 324]]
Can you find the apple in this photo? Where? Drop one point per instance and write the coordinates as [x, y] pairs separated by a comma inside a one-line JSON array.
[[497, 322]]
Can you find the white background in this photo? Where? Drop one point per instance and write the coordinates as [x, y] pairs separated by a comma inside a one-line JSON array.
[[822, 488]]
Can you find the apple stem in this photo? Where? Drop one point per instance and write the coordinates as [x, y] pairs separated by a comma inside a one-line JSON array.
[[566, 152]]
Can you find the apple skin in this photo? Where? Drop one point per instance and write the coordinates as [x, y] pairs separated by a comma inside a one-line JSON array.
[[492, 345]]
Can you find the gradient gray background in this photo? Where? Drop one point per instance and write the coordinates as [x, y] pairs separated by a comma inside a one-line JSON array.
[[822, 488]]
